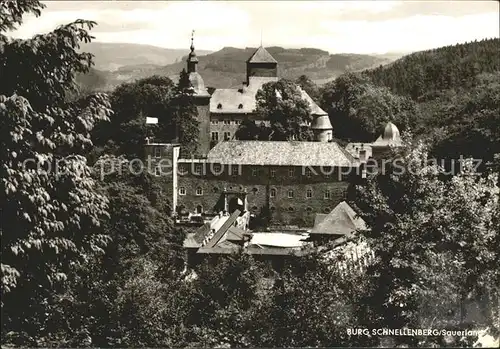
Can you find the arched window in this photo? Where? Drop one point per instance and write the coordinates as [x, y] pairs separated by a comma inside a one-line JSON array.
[[219, 106], [199, 191], [240, 106], [309, 193], [272, 193]]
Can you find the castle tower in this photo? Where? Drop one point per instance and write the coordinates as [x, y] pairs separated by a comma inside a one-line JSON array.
[[261, 64], [202, 100], [322, 127]]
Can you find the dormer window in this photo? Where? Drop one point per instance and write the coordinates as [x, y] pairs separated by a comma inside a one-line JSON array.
[[219, 106], [240, 106]]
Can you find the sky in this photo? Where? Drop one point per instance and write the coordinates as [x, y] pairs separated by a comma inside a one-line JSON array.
[[375, 26]]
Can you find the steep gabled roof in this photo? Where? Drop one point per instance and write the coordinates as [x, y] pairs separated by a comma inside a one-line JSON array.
[[341, 221], [261, 56]]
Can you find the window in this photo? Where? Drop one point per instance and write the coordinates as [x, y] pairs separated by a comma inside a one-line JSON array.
[[227, 122], [255, 172], [273, 173], [255, 190], [197, 169], [182, 191], [272, 193], [290, 194], [157, 171], [309, 193], [215, 189], [327, 210], [217, 168], [327, 194], [273, 208], [254, 208], [199, 191], [182, 169], [215, 136], [308, 173], [157, 152], [234, 170], [227, 136], [291, 172], [219, 106], [291, 209], [214, 122], [237, 122], [240, 106]]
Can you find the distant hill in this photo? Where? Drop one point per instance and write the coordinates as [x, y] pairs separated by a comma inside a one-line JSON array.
[[113, 56], [227, 68]]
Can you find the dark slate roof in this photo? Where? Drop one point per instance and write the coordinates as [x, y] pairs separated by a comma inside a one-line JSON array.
[[341, 221], [281, 153], [261, 55]]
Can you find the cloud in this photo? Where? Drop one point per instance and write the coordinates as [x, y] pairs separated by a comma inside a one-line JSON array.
[[335, 26]]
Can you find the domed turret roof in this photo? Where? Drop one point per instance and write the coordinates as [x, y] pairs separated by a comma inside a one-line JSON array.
[[322, 122], [391, 132]]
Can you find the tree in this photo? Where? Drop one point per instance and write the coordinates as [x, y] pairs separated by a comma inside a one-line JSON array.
[[132, 103], [436, 245], [50, 207], [288, 112], [358, 110], [309, 86]]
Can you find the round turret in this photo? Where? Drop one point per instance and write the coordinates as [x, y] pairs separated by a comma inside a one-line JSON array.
[[322, 128]]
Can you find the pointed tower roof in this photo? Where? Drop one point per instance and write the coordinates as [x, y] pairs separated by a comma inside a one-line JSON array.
[[261, 55], [192, 55]]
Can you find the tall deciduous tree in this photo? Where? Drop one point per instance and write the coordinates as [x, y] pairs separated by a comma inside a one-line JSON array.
[[50, 209], [288, 112], [436, 243], [358, 109], [131, 104]]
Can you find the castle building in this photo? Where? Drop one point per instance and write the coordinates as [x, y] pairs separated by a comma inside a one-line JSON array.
[[285, 182]]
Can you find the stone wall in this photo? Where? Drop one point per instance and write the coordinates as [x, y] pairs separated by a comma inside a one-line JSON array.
[[258, 182]]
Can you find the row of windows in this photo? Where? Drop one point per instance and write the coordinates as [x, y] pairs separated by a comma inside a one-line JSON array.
[[217, 168], [292, 209], [327, 194], [215, 136], [226, 122]]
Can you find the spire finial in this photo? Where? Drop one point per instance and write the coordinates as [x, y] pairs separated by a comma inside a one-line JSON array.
[[192, 40], [260, 37]]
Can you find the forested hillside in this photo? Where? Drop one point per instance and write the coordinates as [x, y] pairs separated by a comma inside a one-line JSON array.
[[449, 96], [420, 74]]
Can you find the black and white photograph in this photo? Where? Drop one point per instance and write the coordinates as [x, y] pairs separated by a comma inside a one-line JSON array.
[[250, 174]]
